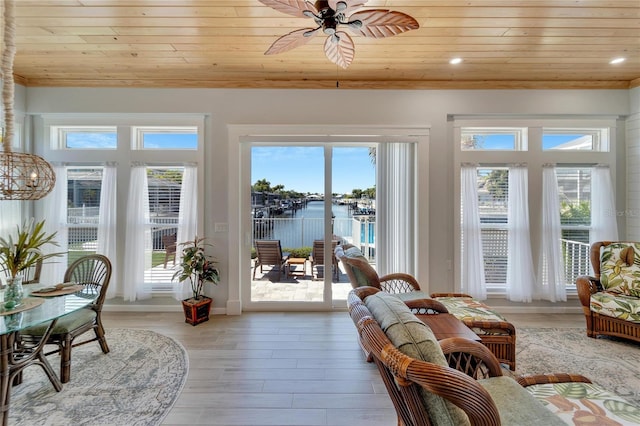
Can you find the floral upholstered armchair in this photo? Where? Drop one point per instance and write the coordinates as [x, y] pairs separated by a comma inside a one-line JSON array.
[[611, 298]]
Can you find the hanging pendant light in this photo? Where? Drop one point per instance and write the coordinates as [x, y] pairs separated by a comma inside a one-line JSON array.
[[22, 176]]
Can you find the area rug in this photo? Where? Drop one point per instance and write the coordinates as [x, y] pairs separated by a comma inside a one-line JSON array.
[[136, 383], [611, 363]]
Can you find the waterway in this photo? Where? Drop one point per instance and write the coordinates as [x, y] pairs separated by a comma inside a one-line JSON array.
[[298, 228]]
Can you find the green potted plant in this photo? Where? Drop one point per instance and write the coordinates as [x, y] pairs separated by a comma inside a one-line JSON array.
[[21, 251], [197, 268]]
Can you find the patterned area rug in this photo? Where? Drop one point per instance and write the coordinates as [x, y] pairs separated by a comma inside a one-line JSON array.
[[136, 383], [611, 363]]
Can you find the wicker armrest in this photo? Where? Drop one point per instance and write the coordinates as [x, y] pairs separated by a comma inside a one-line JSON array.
[[491, 327], [364, 291], [450, 295], [471, 358], [399, 282], [426, 306], [586, 286], [540, 379]]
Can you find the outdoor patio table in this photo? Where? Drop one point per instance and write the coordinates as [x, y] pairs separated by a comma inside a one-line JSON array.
[[296, 261]]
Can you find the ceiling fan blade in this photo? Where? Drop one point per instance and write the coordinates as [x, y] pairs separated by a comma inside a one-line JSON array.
[[351, 5], [339, 49], [380, 23], [291, 7], [292, 40]]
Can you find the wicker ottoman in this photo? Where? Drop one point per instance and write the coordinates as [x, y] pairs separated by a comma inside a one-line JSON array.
[[496, 333]]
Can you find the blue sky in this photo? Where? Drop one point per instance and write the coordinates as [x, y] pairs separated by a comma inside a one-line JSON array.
[[302, 168], [108, 140]]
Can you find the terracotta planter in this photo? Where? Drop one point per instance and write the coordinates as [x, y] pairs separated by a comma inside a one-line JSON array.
[[197, 311]]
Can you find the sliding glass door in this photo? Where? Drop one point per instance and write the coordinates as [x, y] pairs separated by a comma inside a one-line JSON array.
[[306, 201]]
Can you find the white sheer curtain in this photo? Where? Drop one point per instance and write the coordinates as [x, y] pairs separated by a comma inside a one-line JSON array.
[[395, 208], [604, 226], [10, 216], [520, 273], [107, 224], [472, 264], [187, 220], [551, 280], [55, 216], [138, 236]]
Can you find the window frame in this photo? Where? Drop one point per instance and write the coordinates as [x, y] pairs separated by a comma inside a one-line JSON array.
[[600, 137], [534, 158], [138, 132], [45, 128], [59, 136]]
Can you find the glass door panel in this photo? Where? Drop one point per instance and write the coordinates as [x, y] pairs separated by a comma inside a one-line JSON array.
[[295, 228], [353, 184], [287, 216]]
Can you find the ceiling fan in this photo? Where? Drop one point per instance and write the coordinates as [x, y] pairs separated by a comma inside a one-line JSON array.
[[330, 16]]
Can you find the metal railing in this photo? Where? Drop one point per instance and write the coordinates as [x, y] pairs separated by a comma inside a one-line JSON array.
[[576, 260], [495, 241]]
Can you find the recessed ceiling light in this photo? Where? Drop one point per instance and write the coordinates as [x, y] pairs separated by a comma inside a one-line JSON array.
[[617, 60], [455, 61]]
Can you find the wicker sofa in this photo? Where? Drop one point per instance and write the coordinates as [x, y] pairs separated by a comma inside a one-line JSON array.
[[611, 298], [493, 329], [459, 382]]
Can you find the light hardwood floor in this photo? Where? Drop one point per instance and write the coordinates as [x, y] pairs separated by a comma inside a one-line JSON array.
[[281, 368]]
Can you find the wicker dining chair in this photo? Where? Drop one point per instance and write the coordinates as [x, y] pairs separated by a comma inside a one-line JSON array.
[[94, 272], [31, 275]]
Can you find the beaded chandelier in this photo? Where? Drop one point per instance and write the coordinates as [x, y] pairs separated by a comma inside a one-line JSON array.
[[22, 176]]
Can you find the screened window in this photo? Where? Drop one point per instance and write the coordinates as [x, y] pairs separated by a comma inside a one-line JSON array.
[[166, 138], [85, 137], [574, 188], [493, 196], [575, 139], [83, 210], [493, 139], [164, 187]]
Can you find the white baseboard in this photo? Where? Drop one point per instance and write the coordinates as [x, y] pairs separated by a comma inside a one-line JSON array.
[[154, 308], [537, 309]]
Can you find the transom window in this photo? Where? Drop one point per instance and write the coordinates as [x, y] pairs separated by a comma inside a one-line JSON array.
[[82, 137], [166, 138], [493, 139], [575, 140]]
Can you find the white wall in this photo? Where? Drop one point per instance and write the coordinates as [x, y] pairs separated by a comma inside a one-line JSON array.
[[425, 108]]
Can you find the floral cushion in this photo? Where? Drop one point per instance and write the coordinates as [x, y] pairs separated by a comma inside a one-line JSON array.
[[620, 268], [469, 310], [616, 305], [585, 404]]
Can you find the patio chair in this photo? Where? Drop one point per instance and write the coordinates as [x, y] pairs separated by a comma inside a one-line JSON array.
[[169, 242], [94, 272], [269, 253], [317, 259]]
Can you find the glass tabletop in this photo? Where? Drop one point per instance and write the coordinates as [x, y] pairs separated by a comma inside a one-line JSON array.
[[51, 308]]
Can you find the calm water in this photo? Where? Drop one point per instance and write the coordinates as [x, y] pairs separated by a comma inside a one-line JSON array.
[[299, 228]]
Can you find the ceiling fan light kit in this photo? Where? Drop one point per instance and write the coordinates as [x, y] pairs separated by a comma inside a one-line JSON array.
[[329, 16]]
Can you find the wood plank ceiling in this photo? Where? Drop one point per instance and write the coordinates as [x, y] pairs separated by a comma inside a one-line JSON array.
[[506, 44]]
